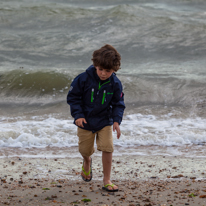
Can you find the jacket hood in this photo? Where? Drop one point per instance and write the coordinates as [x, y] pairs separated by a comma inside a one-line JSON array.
[[91, 71]]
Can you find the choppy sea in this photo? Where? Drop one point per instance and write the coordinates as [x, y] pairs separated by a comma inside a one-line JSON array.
[[45, 44]]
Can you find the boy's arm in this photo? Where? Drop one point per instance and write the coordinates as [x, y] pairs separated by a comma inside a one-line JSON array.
[[118, 105], [74, 98]]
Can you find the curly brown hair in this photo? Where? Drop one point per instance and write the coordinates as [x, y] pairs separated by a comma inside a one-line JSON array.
[[107, 57]]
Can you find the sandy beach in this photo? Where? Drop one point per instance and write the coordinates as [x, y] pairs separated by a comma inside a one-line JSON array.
[[142, 180]]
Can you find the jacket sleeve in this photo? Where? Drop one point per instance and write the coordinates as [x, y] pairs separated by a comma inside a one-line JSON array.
[[74, 98], [118, 105]]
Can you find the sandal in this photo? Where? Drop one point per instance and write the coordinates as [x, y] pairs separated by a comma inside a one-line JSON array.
[[87, 173], [108, 190]]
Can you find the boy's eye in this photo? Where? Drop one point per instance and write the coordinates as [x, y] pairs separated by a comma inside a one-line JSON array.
[[108, 71]]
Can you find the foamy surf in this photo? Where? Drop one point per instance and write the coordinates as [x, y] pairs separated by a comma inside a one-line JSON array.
[[137, 130]]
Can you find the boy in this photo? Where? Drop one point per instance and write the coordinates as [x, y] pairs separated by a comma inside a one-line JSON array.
[[96, 103]]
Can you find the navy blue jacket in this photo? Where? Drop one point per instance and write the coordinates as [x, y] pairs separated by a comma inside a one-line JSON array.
[[101, 103]]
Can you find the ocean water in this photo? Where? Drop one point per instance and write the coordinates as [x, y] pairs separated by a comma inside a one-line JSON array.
[[45, 44]]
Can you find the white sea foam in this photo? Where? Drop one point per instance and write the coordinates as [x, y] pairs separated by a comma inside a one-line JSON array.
[[164, 130], [137, 129], [38, 133]]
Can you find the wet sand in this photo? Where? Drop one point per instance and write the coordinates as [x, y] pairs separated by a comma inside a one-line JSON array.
[[142, 180]]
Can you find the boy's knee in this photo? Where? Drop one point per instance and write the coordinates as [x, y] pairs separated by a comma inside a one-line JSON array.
[[106, 149], [86, 152]]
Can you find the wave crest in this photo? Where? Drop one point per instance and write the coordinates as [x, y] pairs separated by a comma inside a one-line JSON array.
[[23, 84]]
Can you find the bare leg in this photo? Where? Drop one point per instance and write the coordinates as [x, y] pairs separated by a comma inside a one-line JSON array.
[[107, 165], [87, 161]]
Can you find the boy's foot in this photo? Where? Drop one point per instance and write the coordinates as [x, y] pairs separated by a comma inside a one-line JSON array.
[[87, 170], [110, 187]]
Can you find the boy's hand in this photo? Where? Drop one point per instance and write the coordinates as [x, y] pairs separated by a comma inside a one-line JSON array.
[[79, 122], [117, 128]]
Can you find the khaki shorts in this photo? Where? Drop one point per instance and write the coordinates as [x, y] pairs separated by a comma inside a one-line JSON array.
[[104, 140]]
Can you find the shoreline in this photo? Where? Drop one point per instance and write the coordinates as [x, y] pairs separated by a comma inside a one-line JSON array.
[[188, 151], [142, 180]]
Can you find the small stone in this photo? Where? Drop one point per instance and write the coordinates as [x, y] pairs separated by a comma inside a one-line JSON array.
[[176, 176]]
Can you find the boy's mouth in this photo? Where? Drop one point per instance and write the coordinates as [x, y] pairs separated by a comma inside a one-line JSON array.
[[103, 77]]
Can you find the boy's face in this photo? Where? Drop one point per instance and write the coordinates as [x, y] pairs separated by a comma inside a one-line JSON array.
[[104, 74]]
